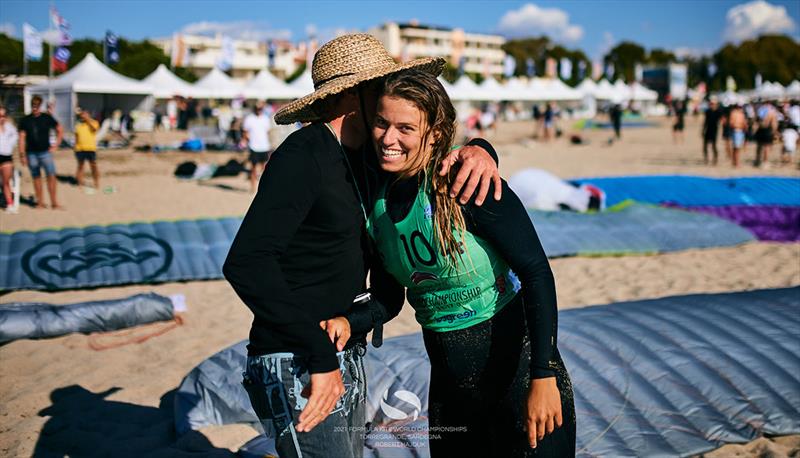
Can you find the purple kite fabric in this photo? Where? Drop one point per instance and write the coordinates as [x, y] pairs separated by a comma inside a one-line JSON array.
[[775, 223]]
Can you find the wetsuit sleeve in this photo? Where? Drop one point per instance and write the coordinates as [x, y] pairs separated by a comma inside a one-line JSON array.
[[506, 225], [286, 193], [486, 146], [387, 300]]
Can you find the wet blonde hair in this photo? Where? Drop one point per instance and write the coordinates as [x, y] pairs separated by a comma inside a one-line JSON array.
[[438, 124]]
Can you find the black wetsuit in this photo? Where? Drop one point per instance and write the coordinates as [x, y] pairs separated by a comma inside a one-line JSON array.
[[710, 128], [480, 376]]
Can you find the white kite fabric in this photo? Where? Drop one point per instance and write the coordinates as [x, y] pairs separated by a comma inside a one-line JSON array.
[[676, 376]]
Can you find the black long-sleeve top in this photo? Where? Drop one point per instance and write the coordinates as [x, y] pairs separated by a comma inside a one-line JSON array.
[[507, 226], [299, 255]]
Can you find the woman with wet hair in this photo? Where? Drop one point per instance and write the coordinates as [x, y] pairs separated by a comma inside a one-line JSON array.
[[480, 285]]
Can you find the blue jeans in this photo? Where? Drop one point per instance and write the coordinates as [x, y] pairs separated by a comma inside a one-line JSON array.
[[274, 383], [39, 160]]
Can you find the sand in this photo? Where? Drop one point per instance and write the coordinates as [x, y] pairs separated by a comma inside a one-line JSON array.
[[61, 396]]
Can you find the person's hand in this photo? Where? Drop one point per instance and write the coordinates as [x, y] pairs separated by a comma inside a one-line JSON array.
[[23, 160], [338, 330], [477, 167], [52, 148], [544, 409], [322, 392]]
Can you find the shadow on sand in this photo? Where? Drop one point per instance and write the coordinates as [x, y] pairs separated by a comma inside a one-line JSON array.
[[85, 424]]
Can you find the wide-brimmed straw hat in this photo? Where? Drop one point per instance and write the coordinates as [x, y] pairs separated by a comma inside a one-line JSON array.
[[343, 63]]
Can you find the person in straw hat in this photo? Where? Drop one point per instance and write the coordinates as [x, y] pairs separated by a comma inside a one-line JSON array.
[[300, 258]]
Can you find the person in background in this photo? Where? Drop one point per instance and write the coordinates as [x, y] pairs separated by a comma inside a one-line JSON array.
[[616, 120], [36, 150], [766, 128], [710, 127], [86, 146], [8, 139], [789, 136], [725, 120], [256, 129], [677, 128], [548, 127], [738, 123]]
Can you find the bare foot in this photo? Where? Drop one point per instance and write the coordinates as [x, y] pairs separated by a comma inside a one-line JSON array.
[[41, 206], [58, 207]]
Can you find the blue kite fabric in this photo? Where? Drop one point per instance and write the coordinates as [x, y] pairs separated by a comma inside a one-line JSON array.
[[118, 254], [165, 251], [36, 320], [676, 376], [632, 228], [691, 191]]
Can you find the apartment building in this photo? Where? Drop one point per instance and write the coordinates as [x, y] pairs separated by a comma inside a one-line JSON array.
[[201, 54], [481, 53]]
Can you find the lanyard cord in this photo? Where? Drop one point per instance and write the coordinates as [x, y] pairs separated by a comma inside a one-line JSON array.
[[350, 169]]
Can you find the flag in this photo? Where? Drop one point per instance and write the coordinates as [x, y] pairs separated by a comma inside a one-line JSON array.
[[271, 48], [462, 61], [179, 55], [62, 26], [566, 68], [225, 61], [597, 70], [758, 80], [638, 72], [712, 69], [60, 59], [610, 70], [509, 65], [530, 67], [581, 70], [32, 43], [111, 48], [550, 67], [730, 83]]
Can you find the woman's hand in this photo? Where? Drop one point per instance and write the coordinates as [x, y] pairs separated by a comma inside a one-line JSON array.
[[544, 409], [338, 330], [477, 168]]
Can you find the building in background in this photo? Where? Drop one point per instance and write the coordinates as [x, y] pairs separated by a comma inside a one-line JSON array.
[[201, 53], [481, 53]]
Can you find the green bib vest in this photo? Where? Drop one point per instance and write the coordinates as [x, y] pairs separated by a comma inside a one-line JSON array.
[[444, 298]]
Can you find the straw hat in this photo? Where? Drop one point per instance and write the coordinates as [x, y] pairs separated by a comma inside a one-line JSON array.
[[343, 63]]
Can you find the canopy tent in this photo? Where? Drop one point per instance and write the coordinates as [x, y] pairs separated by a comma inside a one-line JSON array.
[[95, 88], [770, 90], [640, 93], [465, 89], [605, 90], [302, 86], [266, 86], [166, 84], [519, 90], [217, 85], [492, 90], [552, 89], [587, 87], [793, 89]]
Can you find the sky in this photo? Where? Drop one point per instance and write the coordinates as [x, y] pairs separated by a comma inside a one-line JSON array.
[[595, 26]]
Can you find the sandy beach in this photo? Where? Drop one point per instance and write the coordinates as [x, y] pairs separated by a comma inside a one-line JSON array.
[[61, 396]]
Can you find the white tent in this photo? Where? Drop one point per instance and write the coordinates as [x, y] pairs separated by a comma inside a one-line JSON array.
[[217, 85], [587, 87], [553, 89], [641, 93], [604, 91], [518, 90], [303, 85], [793, 89], [166, 84], [491, 90], [465, 89], [622, 92], [770, 90], [95, 88], [266, 86]]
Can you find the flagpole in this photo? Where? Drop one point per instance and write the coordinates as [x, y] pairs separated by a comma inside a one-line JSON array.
[[50, 55]]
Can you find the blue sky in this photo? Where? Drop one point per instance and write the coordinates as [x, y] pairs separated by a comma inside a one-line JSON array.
[[591, 25]]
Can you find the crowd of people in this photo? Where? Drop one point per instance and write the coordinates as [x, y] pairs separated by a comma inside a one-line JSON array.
[[763, 123]]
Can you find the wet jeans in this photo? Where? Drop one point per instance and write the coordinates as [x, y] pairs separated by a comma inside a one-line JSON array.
[[274, 383]]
